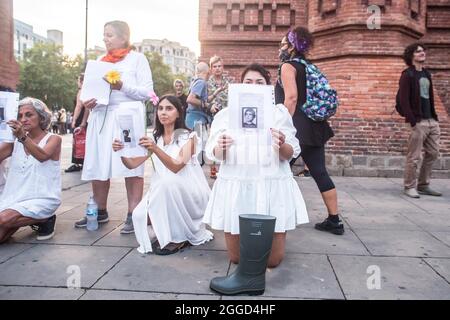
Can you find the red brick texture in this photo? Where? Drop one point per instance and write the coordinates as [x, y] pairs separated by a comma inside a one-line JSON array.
[[364, 65], [9, 71]]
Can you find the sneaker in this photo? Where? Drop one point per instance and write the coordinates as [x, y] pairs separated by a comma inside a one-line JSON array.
[[128, 226], [73, 168], [46, 229], [101, 218], [426, 190], [412, 193], [330, 226]]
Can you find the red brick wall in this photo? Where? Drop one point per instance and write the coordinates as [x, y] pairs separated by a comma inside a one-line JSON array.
[[363, 65], [8, 66]]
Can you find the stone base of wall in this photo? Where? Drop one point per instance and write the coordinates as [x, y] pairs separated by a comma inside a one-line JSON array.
[[376, 166]]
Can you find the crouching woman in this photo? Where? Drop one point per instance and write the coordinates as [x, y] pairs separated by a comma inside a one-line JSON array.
[[32, 192], [179, 192]]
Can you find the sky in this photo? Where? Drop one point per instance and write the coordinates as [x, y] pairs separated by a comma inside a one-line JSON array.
[[175, 20]]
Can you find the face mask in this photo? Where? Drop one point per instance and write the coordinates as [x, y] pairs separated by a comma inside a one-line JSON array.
[[284, 55]]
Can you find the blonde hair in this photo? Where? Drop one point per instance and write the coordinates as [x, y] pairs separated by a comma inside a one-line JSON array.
[[42, 110], [178, 81], [122, 30], [214, 59]]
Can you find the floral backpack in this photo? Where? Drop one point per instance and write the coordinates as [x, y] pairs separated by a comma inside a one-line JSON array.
[[321, 100]]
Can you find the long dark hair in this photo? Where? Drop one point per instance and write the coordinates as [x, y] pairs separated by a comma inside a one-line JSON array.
[[408, 54], [179, 123]]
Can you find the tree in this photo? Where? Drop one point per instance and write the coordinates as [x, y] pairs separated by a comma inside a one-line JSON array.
[[47, 74], [162, 75]]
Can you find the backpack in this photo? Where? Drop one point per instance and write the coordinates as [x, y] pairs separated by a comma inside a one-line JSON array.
[[321, 100], [398, 107]]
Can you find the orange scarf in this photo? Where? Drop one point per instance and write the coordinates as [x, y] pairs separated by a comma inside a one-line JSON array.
[[116, 55]]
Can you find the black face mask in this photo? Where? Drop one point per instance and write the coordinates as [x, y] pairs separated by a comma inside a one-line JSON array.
[[284, 56]]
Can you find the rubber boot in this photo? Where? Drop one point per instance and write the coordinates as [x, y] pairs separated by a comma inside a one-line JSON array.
[[256, 235]]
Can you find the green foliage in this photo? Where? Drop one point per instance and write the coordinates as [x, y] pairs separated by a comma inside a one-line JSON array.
[[162, 74], [47, 74]]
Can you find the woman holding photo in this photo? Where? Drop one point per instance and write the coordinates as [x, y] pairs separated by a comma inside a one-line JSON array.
[[101, 164], [238, 190], [179, 192]]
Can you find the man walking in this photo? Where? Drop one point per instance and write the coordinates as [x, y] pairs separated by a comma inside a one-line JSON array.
[[416, 101]]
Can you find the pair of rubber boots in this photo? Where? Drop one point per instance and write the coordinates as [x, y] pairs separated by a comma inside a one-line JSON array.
[[256, 235]]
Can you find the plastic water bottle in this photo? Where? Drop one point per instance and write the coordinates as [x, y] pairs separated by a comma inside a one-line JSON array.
[[92, 214]]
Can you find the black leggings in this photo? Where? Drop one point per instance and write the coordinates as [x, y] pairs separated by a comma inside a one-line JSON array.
[[314, 158]]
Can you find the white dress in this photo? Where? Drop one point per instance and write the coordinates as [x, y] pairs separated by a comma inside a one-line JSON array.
[[32, 188], [175, 203], [252, 189], [100, 162]]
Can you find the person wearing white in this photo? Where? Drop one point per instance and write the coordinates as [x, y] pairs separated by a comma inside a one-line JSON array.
[[242, 189], [135, 85], [32, 192], [179, 192]]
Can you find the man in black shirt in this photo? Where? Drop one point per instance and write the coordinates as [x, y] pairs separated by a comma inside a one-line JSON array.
[[416, 102]]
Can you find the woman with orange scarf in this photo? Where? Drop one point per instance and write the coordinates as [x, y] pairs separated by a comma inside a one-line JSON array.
[[134, 87]]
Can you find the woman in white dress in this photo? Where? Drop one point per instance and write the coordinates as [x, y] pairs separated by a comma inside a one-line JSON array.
[[241, 189], [134, 87], [179, 192], [33, 186]]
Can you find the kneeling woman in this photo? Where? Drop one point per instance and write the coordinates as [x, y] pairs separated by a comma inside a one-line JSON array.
[[179, 192], [238, 190], [33, 186]]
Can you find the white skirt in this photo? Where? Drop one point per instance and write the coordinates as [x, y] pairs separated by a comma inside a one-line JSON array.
[[278, 197], [101, 162], [175, 204]]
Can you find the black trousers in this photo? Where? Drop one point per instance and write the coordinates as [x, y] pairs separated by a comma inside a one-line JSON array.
[[314, 158]]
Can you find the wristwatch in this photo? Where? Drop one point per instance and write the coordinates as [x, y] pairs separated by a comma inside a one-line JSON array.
[[22, 140]]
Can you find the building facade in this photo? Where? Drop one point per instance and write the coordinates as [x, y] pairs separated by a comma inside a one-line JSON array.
[[358, 45], [9, 70], [180, 59], [25, 38]]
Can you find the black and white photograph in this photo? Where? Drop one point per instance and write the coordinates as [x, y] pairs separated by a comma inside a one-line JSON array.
[[250, 118]]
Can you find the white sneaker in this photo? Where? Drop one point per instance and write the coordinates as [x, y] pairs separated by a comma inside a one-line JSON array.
[[412, 193]]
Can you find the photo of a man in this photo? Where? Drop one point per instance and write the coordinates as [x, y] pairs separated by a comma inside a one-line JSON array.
[[126, 136], [249, 118]]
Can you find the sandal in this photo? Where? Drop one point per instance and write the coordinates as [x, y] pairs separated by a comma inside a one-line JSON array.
[[168, 251]]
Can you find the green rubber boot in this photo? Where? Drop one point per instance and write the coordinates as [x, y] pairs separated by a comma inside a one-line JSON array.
[[256, 235]]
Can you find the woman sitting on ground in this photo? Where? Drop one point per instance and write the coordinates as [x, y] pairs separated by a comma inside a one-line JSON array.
[[179, 192], [241, 188], [33, 187]]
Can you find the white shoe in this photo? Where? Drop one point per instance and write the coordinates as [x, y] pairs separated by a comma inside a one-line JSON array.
[[412, 193]]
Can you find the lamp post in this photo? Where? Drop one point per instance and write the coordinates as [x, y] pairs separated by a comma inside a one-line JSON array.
[[86, 35]]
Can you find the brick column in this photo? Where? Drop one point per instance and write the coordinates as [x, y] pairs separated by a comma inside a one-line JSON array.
[[9, 69], [247, 31]]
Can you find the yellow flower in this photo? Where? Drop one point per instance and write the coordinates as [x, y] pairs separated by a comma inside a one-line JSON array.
[[112, 77]]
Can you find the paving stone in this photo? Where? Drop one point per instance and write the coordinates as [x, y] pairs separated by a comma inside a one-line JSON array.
[[47, 265], [443, 236], [9, 250], [189, 272], [402, 243], [217, 244], [302, 276], [442, 267], [400, 278], [66, 233], [380, 221], [134, 295], [430, 221], [309, 240], [37, 293]]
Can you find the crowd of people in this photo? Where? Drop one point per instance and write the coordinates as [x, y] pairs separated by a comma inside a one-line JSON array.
[[179, 204]]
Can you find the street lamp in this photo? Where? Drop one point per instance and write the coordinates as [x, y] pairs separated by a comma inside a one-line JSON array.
[[86, 35]]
